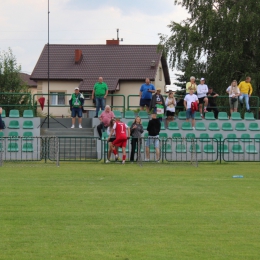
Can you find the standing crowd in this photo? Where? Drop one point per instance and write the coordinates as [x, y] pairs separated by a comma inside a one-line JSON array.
[[198, 97]]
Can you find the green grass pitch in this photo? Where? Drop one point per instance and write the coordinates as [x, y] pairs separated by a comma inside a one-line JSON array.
[[127, 212]]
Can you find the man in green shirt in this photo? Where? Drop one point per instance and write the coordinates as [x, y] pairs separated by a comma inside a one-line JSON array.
[[100, 92]]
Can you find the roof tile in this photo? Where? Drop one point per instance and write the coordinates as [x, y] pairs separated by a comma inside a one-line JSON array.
[[112, 62]]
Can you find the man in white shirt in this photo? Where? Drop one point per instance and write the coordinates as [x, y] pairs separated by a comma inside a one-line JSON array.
[[202, 90], [190, 113]]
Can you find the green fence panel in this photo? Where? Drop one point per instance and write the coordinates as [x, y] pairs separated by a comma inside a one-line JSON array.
[[241, 150], [121, 105]]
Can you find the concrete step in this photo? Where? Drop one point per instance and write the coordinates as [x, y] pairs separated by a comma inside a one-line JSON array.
[[64, 122], [67, 132]]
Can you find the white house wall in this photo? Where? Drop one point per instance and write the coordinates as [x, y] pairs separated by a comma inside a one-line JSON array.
[[126, 88], [57, 86]]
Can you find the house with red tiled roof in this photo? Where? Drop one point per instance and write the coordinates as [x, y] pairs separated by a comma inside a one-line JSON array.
[[31, 84], [123, 67]]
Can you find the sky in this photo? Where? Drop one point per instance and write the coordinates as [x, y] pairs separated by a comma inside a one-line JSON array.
[[24, 24]]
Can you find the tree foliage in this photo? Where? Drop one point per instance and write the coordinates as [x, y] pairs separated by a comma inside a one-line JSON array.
[[11, 83], [219, 41]]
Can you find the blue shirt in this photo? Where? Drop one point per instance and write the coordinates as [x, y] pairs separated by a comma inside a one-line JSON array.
[[145, 93]]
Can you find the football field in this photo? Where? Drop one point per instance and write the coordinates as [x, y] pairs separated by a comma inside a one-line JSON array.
[[127, 212]]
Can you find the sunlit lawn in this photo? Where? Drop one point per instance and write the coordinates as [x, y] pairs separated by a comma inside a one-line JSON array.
[[100, 211]]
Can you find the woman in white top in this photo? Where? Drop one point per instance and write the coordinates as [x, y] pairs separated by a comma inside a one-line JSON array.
[[233, 92], [112, 138], [170, 107]]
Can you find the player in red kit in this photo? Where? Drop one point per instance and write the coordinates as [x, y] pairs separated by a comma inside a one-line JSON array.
[[122, 133]]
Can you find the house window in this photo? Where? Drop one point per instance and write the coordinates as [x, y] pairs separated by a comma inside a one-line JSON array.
[[57, 98]]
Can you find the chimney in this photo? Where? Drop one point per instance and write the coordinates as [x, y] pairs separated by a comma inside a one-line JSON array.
[[78, 56], [113, 42]]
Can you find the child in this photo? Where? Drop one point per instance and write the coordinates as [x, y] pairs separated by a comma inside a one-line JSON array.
[[136, 131], [113, 138]]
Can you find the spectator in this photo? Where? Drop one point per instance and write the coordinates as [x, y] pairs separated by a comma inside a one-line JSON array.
[[100, 92], [1, 121], [158, 104], [188, 104], [76, 105], [112, 139], [136, 131], [202, 91], [153, 128], [246, 90], [233, 92], [212, 106], [170, 107], [105, 119], [191, 85], [145, 94], [119, 129]]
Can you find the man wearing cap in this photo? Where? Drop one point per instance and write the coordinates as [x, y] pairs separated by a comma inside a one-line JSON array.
[[100, 92], [76, 103], [246, 90], [202, 91], [145, 94]]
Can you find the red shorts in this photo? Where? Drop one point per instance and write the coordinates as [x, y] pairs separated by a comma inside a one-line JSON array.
[[120, 142]]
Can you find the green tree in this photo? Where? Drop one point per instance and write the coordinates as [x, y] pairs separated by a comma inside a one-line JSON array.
[[219, 41], [11, 84]]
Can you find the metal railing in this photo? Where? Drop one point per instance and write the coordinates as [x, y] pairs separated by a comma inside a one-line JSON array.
[[17, 101], [193, 150], [241, 150], [91, 149], [222, 103], [88, 103], [17, 148], [84, 149], [171, 150]]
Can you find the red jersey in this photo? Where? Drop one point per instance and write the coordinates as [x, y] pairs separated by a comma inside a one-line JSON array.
[[120, 129]]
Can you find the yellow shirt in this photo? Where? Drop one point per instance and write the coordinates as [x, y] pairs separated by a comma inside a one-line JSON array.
[[245, 87], [190, 86]]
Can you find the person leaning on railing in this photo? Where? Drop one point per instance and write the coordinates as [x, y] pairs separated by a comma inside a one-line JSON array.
[[246, 90], [105, 119], [234, 93]]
